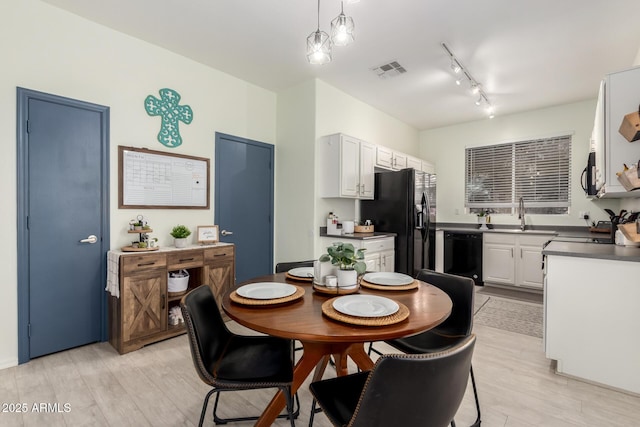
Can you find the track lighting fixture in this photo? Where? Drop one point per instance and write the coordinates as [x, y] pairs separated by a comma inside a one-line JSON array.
[[476, 88], [318, 45], [342, 28]]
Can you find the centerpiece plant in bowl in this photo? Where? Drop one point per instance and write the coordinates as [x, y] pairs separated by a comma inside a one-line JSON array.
[[348, 260], [180, 234]]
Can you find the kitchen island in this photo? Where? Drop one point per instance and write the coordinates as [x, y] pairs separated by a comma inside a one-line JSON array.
[[592, 312]]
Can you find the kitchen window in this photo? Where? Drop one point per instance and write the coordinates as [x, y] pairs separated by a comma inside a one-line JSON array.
[[496, 176]]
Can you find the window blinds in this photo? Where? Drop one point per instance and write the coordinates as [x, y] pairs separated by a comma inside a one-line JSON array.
[[538, 170]]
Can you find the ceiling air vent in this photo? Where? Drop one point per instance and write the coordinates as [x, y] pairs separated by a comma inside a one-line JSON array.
[[387, 71]]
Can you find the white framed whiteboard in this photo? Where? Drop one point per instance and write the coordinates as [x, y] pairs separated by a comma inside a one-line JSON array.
[[157, 179]]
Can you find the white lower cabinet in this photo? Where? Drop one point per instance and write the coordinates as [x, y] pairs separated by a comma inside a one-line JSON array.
[[513, 259], [379, 254]]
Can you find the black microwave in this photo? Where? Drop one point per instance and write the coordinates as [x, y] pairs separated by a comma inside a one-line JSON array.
[[588, 178]]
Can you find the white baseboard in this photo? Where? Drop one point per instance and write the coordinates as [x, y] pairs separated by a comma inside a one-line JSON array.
[[8, 363]]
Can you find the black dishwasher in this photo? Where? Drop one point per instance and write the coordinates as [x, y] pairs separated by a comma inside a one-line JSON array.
[[463, 254]]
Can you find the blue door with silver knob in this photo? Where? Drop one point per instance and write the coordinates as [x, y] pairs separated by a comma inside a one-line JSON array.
[[244, 194], [63, 223]]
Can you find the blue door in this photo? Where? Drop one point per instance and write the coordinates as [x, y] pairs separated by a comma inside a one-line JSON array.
[[63, 222], [244, 202]]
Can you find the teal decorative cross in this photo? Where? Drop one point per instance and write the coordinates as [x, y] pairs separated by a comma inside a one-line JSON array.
[[172, 113]]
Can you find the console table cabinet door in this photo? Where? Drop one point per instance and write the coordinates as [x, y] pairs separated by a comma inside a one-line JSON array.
[[220, 271], [144, 304]]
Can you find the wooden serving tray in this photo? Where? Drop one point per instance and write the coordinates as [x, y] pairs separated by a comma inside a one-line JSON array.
[[335, 290], [132, 249]]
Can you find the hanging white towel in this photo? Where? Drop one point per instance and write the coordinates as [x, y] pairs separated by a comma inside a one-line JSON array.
[[113, 276]]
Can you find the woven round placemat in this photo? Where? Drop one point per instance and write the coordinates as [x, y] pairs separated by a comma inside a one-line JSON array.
[[251, 301], [336, 290], [413, 285], [397, 317], [302, 279]]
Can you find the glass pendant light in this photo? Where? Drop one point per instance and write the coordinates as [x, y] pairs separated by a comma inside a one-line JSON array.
[[318, 45], [342, 28]]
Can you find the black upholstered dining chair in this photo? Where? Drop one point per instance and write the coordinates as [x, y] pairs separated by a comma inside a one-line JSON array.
[[227, 361], [283, 267], [409, 390], [455, 329]]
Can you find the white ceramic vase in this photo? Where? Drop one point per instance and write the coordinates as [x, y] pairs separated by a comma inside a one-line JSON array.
[[347, 278], [482, 220], [181, 243]]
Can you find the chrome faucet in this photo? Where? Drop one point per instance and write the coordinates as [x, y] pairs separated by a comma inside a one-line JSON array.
[[521, 213]]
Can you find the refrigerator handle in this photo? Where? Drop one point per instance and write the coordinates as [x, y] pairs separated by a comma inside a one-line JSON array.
[[427, 217]]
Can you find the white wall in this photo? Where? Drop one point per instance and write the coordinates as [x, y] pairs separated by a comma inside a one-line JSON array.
[[337, 112], [295, 154], [49, 50], [445, 147]]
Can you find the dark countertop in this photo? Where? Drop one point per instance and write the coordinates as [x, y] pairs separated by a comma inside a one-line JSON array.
[[552, 231], [357, 236], [557, 246], [593, 250]]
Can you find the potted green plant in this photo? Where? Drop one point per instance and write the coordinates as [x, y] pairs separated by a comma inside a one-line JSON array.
[[348, 260], [137, 226], [483, 218], [180, 234]]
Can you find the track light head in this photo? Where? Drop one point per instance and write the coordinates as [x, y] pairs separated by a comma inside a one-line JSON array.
[[455, 66]]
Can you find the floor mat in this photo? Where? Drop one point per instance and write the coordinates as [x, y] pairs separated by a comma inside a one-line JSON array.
[[514, 316]]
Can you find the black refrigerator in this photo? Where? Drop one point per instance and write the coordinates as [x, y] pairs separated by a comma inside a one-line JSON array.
[[405, 204]]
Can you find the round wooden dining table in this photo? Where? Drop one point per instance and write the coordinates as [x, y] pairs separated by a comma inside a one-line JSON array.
[[322, 337]]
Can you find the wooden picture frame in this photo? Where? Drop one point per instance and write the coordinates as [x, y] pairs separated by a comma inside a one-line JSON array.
[[208, 234], [149, 179]]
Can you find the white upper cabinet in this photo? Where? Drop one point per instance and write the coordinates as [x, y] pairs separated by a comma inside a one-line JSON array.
[[618, 97], [414, 162], [367, 166], [346, 167], [390, 159], [384, 157], [399, 161], [428, 167]]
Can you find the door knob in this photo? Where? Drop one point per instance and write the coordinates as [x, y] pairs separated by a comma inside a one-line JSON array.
[[91, 239], [226, 233]]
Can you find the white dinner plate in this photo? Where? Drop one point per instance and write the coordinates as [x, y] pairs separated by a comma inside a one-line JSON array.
[[365, 305], [304, 272], [266, 290], [388, 279]]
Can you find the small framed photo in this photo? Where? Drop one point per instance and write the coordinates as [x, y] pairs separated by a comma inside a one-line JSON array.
[[208, 234]]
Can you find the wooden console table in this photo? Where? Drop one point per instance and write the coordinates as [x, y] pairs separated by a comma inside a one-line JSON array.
[[139, 316]]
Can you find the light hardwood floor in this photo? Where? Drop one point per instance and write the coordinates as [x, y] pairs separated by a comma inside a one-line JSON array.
[[158, 386]]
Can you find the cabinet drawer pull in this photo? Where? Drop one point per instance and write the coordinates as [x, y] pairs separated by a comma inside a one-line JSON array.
[[220, 255], [187, 259], [163, 301], [146, 263]]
